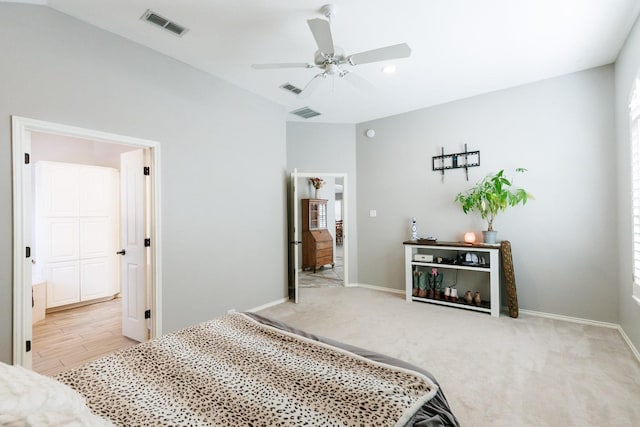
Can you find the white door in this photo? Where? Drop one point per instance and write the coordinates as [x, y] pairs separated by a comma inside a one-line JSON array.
[[294, 239], [63, 286], [133, 272]]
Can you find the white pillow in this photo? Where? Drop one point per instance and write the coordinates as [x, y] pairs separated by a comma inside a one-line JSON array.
[[30, 399]]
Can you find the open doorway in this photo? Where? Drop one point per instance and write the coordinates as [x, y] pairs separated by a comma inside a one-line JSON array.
[[321, 248], [81, 155], [330, 274], [77, 300]]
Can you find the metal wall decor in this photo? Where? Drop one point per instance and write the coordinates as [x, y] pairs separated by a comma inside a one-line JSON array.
[[466, 160]]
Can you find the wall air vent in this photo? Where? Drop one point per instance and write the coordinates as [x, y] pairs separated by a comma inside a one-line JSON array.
[[291, 88], [305, 112], [164, 23]]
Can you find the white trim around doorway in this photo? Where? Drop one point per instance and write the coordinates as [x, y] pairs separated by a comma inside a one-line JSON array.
[[21, 129]]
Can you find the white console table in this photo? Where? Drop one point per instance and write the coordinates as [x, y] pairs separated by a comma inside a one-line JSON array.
[[449, 251]]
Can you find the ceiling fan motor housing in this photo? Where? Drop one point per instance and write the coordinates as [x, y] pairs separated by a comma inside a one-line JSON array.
[[321, 59], [328, 10]]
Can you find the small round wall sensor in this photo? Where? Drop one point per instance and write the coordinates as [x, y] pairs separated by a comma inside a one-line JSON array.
[[370, 133]]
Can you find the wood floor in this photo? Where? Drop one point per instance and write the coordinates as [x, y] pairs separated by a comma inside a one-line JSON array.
[[69, 338]]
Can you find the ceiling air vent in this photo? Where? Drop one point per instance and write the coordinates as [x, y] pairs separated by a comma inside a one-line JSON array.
[[305, 113], [291, 88], [158, 20]]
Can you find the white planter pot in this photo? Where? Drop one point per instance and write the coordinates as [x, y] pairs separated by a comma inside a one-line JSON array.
[[490, 237]]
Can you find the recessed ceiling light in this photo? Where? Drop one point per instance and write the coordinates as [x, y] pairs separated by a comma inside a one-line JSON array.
[[389, 69]]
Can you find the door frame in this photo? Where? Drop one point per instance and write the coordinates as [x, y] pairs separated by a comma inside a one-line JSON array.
[[345, 213], [21, 128]]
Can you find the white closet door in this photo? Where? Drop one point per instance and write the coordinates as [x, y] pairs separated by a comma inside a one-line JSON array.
[[96, 235], [62, 239], [96, 276], [98, 232], [61, 189], [77, 221], [63, 285], [96, 191]]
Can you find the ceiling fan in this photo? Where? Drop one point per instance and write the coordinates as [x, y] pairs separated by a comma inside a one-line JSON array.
[[331, 59]]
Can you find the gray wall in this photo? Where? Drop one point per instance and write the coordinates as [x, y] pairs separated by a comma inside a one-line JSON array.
[[627, 69], [317, 147], [223, 157], [564, 242]]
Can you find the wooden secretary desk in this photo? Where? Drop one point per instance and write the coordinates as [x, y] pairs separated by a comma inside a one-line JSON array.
[[317, 243]]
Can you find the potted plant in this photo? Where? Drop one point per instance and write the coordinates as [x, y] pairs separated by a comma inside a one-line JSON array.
[[493, 194]]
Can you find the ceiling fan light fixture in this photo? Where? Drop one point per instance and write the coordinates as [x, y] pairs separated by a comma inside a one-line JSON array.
[[389, 69]]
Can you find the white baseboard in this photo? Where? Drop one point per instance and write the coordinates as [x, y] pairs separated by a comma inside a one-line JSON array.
[[267, 305], [570, 319], [376, 288], [626, 339], [616, 326]]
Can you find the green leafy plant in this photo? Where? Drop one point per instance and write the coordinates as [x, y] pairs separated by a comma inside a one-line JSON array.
[[493, 194]]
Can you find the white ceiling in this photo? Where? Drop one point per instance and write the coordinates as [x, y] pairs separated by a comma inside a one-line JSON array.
[[460, 48]]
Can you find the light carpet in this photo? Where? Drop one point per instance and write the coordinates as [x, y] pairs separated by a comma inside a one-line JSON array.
[[529, 371]]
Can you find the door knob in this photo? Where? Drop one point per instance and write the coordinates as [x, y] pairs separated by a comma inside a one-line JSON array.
[[121, 252]]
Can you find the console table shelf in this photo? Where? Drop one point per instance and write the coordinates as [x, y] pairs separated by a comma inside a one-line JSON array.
[[485, 306], [491, 268]]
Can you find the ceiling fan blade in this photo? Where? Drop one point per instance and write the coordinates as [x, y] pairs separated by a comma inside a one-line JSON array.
[[321, 31], [312, 85], [358, 82], [283, 65], [401, 50]]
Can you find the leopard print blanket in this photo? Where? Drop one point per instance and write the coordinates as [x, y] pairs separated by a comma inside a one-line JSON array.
[[235, 371]]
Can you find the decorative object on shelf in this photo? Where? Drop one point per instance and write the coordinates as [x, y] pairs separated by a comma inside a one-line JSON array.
[[477, 299], [423, 257], [454, 294], [509, 278], [469, 237], [466, 160], [435, 282], [422, 284], [490, 237], [416, 282], [414, 229], [468, 297], [428, 240], [493, 194], [438, 280], [431, 291], [317, 184]]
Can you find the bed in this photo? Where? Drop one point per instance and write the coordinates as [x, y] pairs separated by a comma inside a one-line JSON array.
[[243, 369]]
